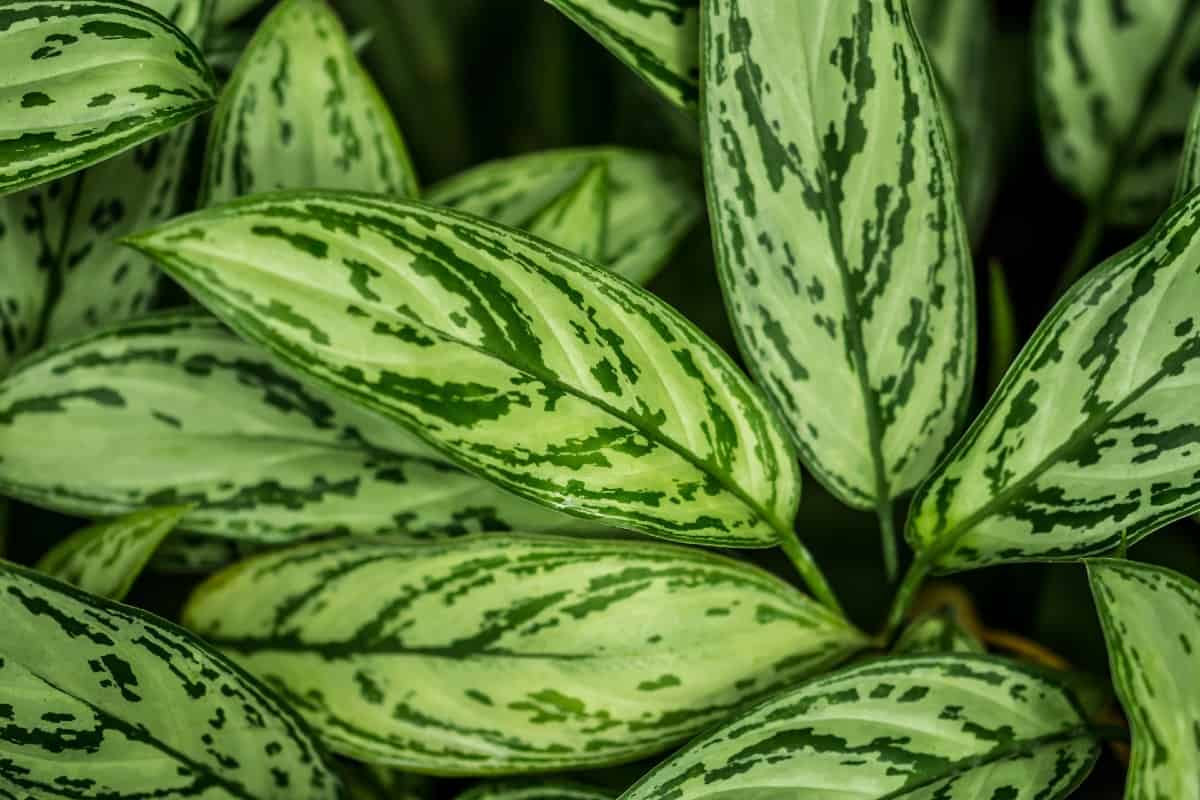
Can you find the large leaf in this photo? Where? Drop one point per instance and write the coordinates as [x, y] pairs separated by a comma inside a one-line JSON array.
[[1115, 82], [945, 727], [1091, 437], [87, 79], [1151, 619], [657, 39], [838, 233], [172, 408], [106, 558], [300, 112], [547, 790], [652, 200], [505, 654], [532, 367], [100, 700]]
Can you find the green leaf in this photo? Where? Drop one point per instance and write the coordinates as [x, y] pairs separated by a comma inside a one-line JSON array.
[[652, 200], [951, 727], [371, 782], [106, 558], [172, 408], [577, 220], [1091, 436], [841, 249], [227, 11], [936, 632], [104, 700], [530, 366], [196, 554], [507, 654], [300, 112], [1151, 619], [1115, 82], [1002, 324], [1189, 170], [546, 790], [84, 81], [657, 39]]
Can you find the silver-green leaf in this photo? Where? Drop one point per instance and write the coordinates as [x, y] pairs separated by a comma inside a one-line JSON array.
[[106, 558], [98, 700], [577, 220], [1090, 440], [507, 654], [936, 632], [950, 727], [839, 237]]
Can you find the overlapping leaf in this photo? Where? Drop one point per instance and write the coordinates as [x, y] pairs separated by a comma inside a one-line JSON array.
[[652, 200], [102, 700], [577, 220], [947, 727], [547, 790], [171, 408], [301, 112], [1091, 437], [936, 632], [1151, 619], [838, 233], [1115, 82], [106, 558], [372, 782], [504, 654]]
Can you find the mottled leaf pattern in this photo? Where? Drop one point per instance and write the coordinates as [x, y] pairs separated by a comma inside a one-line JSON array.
[[1091, 436], [504, 654], [300, 112], [577, 220], [100, 700], [1115, 82], [1151, 619], [657, 39], [106, 558], [838, 233], [936, 632], [949, 727], [652, 200], [547, 790], [171, 408]]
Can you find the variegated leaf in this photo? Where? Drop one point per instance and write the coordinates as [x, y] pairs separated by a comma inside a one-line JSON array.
[[372, 782], [1115, 82], [545, 790], [1090, 439], [657, 39], [1002, 326], [196, 554], [528, 365], [171, 408], [838, 233], [1189, 170], [508, 654], [936, 632], [1151, 620], [300, 112], [949, 727], [577, 220], [100, 700], [106, 558], [652, 200], [87, 79]]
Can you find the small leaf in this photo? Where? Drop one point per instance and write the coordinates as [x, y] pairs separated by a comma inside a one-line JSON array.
[[227, 11], [1189, 171], [1002, 323], [507, 654], [1114, 84], [300, 112], [657, 39], [371, 782], [546, 790], [86, 80], [652, 200], [104, 700], [936, 632], [951, 727], [196, 554], [838, 235], [1090, 438], [172, 408], [577, 220], [1151, 619], [106, 558]]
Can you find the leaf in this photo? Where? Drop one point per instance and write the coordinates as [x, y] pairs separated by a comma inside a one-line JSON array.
[[228, 11], [104, 700], [546, 790], [106, 558], [143, 78], [657, 39], [370, 782], [555, 653], [196, 554], [1002, 323], [951, 727], [840, 247], [1189, 170], [1114, 84], [936, 632], [171, 408], [577, 220], [652, 200], [1151, 625], [527, 365], [1090, 437], [301, 112]]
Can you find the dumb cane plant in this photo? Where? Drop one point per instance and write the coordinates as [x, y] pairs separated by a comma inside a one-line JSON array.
[[418, 439]]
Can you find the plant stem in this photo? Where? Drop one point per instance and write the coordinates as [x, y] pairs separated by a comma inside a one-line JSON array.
[[887, 533], [808, 569], [917, 572], [1085, 248]]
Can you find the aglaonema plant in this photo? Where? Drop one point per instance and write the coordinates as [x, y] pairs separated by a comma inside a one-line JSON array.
[[466, 500]]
